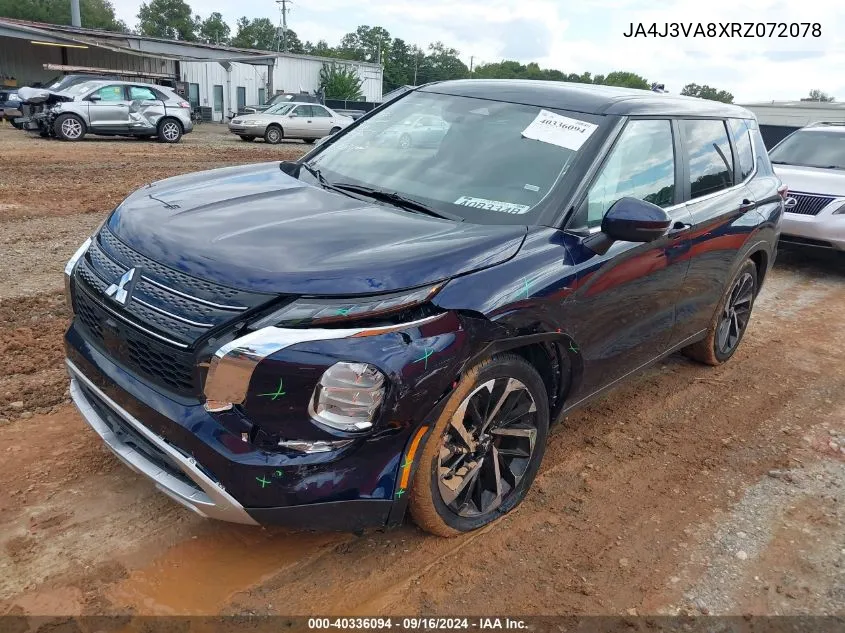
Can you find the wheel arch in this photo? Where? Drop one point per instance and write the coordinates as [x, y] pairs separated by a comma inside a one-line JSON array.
[[168, 117]]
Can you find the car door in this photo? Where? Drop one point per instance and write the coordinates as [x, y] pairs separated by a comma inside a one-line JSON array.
[[722, 214], [108, 109], [298, 123], [322, 121], [622, 310], [145, 108]]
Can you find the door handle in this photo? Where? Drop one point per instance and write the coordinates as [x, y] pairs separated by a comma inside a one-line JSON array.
[[746, 204], [679, 227]]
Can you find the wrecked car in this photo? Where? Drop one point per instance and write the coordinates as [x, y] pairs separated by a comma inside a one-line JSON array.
[[107, 107], [374, 329]]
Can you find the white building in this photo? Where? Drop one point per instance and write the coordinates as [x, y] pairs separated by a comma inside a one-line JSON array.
[[219, 77]]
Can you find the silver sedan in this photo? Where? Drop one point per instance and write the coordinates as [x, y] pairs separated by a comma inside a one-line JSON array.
[[306, 121]]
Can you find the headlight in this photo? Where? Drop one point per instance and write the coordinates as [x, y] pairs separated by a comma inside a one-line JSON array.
[[840, 210], [71, 264], [252, 122], [348, 396], [319, 311]]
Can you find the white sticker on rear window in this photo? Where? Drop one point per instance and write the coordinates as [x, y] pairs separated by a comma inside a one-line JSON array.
[[492, 205], [563, 131]]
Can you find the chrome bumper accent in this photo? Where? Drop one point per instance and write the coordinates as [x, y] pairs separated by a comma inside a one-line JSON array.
[[209, 499], [232, 365]]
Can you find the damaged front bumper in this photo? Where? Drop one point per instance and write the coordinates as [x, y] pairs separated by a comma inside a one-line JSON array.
[[265, 459]]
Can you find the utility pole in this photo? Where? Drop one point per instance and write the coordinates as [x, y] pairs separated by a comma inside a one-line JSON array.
[[282, 42], [75, 20], [471, 59]]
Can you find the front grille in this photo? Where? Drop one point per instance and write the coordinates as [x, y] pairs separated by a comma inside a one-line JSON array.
[[166, 315], [808, 203], [144, 355]]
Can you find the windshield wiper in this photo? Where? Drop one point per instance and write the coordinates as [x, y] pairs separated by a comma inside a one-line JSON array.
[[397, 199]]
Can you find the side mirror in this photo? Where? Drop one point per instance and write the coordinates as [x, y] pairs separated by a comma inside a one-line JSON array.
[[293, 115], [95, 98], [629, 220]]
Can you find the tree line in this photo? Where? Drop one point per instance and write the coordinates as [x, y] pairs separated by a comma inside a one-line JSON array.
[[403, 63]]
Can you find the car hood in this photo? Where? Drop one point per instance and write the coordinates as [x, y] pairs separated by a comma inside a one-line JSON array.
[[830, 182], [255, 228], [42, 95]]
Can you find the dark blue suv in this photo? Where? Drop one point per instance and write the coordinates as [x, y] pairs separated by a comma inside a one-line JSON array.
[[383, 326]]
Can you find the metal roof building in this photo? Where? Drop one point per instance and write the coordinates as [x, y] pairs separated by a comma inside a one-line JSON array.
[[777, 119], [221, 78]]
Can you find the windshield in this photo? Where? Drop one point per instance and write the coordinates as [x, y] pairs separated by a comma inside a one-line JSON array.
[[82, 88], [816, 148], [279, 109], [489, 162]]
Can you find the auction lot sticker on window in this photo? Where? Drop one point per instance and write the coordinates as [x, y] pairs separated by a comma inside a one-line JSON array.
[[559, 130], [492, 205]]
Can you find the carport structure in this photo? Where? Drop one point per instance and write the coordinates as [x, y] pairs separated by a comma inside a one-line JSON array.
[[219, 78]]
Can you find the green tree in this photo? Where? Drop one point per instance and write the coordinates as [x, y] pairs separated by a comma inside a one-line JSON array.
[[168, 18], [818, 95], [706, 92], [258, 33], [321, 49], [441, 63], [339, 81], [365, 44], [624, 79], [294, 44], [213, 30], [95, 14]]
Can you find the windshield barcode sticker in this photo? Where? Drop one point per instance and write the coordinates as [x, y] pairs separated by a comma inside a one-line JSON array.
[[492, 205], [549, 127]]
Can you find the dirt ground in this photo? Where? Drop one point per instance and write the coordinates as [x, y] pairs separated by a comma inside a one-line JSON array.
[[687, 490]]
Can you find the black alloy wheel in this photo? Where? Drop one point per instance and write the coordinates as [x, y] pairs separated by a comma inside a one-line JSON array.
[[487, 447], [736, 314]]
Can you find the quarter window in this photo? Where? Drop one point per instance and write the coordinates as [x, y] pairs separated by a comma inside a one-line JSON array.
[[709, 155], [640, 165], [742, 142]]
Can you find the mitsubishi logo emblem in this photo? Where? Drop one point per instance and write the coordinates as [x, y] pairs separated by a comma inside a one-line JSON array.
[[119, 291]]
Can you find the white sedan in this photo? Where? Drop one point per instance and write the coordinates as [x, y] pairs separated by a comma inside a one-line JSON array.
[[307, 121]]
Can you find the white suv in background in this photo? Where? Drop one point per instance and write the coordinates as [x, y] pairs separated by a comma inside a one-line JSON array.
[[811, 162]]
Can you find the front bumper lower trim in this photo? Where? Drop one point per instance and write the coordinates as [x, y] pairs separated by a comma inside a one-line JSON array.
[[208, 499]]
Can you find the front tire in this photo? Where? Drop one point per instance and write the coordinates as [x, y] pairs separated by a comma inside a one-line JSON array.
[[248, 139], [69, 127], [169, 131], [730, 321], [484, 450], [273, 135]]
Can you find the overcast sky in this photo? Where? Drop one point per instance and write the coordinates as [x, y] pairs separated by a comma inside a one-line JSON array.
[[578, 36]]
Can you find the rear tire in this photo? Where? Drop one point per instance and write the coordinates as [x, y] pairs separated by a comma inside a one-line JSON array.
[[273, 135], [462, 484], [169, 131], [730, 321], [69, 127]]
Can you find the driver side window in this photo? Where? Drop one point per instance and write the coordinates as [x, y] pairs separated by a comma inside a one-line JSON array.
[[640, 165], [111, 93]]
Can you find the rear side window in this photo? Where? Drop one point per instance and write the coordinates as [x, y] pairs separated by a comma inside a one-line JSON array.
[[640, 165], [139, 92], [319, 111], [742, 142], [709, 156], [303, 110]]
